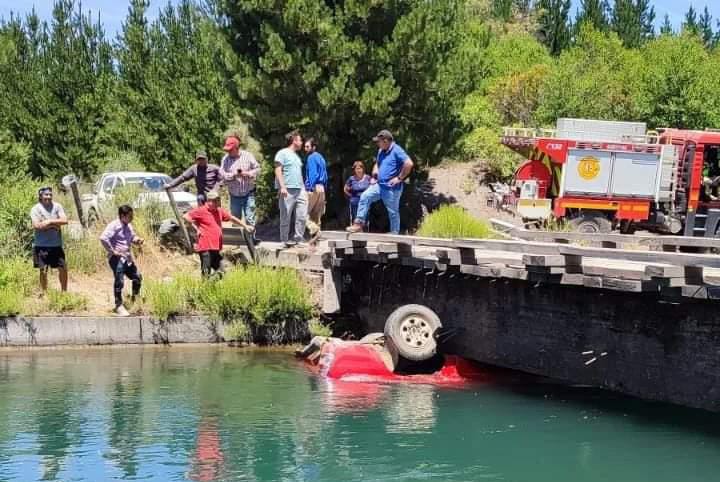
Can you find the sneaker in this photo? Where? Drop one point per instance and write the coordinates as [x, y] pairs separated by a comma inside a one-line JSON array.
[[289, 244], [121, 311], [355, 228]]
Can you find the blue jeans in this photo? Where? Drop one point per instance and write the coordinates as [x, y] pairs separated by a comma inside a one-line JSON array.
[[391, 200], [122, 268], [244, 207]]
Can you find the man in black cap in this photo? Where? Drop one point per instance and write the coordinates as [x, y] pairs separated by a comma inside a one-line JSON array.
[[392, 167], [207, 177]]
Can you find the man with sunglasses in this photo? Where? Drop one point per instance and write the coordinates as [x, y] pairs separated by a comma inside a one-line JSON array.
[[48, 218]]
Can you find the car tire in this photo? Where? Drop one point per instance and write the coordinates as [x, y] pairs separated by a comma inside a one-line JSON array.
[[410, 332], [591, 222]]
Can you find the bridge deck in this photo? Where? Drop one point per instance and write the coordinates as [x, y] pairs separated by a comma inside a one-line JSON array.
[[672, 275]]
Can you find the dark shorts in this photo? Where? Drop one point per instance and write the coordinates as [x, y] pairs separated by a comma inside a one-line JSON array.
[[52, 257]]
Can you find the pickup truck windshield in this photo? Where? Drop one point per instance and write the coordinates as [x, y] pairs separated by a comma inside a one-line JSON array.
[[149, 183]]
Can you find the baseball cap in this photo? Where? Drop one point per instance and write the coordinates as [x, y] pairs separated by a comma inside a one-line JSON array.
[[212, 195], [383, 134], [231, 143], [201, 155]]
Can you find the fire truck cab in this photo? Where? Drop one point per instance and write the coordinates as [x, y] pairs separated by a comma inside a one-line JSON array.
[[603, 175]]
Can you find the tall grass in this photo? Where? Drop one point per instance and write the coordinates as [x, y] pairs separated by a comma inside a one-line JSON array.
[[85, 254], [17, 278], [18, 194], [169, 298], [276, 300], [64, 302], [453, 222]]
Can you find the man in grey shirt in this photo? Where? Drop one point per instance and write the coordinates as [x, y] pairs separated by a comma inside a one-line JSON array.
[[207, 177], [48, 218]]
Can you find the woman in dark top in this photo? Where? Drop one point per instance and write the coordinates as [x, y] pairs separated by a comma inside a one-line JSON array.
[[355, 186]]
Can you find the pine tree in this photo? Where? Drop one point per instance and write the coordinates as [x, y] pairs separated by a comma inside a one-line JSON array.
[[554, 21], [666, 28], [690, 24], [633, 20], [593, 12], [705, 27], [135, 53]]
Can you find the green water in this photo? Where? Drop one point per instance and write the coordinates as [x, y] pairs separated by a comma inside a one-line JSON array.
[[222, 414]]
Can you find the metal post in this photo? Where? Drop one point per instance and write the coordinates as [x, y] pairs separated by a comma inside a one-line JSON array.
[[180, 220], [78, 202]]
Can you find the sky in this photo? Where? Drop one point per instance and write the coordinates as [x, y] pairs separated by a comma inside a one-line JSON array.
[[112, 12]]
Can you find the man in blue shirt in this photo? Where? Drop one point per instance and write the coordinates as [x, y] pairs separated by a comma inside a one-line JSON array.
[[293, 197], [315, 183], [392, 167]]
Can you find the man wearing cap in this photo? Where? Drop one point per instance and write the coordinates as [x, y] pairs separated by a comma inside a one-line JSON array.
[[207, 221], [207, 177], [392, 167], [48, 217], [239, 170], [289, 182]]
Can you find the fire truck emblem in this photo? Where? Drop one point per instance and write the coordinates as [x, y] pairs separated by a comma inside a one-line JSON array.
[[589, 168]]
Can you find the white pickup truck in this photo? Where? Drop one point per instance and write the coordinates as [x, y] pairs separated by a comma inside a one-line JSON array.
[[149, 184]]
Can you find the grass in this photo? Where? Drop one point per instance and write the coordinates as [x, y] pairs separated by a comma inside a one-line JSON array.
[[17, 278], [453, 222], [64, 302], [85, 254], [177, 296], [317, 328]]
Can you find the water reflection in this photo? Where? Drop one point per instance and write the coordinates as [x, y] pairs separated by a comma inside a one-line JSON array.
[[207, 462]]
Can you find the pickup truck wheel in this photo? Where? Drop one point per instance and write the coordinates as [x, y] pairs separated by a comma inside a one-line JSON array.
[[410, 332], [591, 222]]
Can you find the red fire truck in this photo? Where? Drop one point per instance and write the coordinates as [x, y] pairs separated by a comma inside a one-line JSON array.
[[603, 175]]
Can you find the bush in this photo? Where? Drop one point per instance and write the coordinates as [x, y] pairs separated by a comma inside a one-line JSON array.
[[174, 297], [258, 296], [63, 302], [19, 195], [17, 278], [317, 328], [453, 222]]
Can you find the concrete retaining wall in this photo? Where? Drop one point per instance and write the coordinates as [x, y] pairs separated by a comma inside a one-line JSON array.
[[46, 331], [653, 348]]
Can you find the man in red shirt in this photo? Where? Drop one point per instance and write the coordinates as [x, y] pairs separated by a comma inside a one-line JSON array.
[[207, 221]]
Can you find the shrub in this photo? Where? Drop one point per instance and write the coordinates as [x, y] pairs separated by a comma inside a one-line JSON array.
[[19, 195], [17, 278], [63, 302], [453, 222], [317, 328], [172, 297], [258, 296]]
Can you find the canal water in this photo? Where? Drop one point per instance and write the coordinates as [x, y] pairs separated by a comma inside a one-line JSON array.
[[222, 414]]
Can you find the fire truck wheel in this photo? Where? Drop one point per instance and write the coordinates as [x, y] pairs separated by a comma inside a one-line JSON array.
[[410, 332], [591, 222]]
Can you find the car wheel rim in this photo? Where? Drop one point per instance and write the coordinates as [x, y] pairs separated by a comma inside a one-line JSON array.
[[415, 331]]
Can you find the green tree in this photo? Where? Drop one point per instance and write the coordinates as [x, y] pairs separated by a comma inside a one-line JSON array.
[[705, 27], [594, 13], [342, 70], [690, 24], [633, 21], [554, 29], [666, 28]]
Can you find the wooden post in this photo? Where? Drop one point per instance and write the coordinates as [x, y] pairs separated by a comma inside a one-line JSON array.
[[180, 220], [78, 202]]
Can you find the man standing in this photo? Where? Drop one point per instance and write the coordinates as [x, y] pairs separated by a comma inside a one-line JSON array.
[[117, 239], [48, 218], [315, 184], [392, 167], [289, 182], [240, 169], [207, 221], [207, 177]]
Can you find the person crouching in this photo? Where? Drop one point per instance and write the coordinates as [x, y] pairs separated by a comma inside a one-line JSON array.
[[117, 239], [207, 221]]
